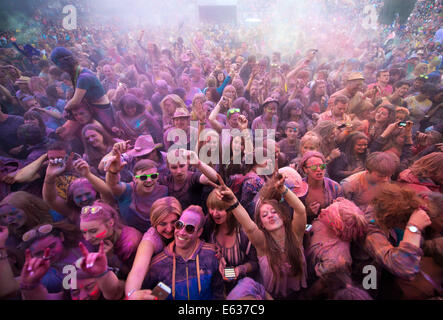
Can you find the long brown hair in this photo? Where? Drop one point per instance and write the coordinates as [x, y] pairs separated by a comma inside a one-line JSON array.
[[35, 209], [273, 251], [94, 155], [393, 205], [430, 166]]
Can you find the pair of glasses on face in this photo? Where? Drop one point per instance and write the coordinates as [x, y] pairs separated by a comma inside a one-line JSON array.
[[315, 167], [33, 233], [189, 228], [91, 210], [144, 177], [232, 111]]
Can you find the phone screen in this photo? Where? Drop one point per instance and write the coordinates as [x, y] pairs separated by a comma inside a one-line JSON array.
[[229, 273], [161, 291]]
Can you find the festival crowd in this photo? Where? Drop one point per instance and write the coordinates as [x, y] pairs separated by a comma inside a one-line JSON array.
[[220, 170]]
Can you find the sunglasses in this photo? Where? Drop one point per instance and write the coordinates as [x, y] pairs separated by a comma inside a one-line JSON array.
[[42, 231], [91, 210], [314, 167], [189, 228], [232, 111], [424, 76], [144, 177]]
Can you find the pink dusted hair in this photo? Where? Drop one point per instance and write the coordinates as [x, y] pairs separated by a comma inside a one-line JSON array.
[[345, 219], [105, 214]]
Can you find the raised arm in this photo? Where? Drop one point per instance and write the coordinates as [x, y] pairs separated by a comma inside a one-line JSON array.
[[255, 235], [215, 124], [29, 173], [98, 184], [113, 173], [209, 174], [96, 265], [33, 271], [50, 192]]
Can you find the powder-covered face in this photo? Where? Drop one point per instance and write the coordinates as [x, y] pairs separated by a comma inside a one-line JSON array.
[[32, 121], [317, 173], [84, 195], [96, 230], [375, 177], [308, 146], [12, 217], [183, 239], [219, 216], [178, 171], [94, 138], [166, 227], [148, 185], [169, 106], [130, 109], [269, 218], [82, 115], [340, 109], [55, 245], [360, 146], [87, 289], [381, 115]]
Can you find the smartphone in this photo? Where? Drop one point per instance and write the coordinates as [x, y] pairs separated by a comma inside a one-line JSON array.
[[161, 291], [230, 273], [308, 228], [402, 124], [76, 157]]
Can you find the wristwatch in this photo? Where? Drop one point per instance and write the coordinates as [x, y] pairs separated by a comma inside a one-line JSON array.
[[413, 229]]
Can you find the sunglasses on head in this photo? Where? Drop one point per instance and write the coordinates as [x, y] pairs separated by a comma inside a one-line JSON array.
[[144, 177], [189, 228], [33, 233], [232, 111], [315, 166], [424, 76], [91, 210]]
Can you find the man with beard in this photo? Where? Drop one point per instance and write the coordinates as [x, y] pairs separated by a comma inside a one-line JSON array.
[[352, 90]]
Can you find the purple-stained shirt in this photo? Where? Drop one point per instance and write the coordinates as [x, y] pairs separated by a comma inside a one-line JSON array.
[[135, 210], [126, 245], [154, 237]]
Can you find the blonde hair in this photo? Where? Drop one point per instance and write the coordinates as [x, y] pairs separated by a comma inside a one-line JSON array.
[[162, 207], [175, 99], [310, 137]]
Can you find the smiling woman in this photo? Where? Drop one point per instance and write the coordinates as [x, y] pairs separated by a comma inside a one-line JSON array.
[[97, 143]]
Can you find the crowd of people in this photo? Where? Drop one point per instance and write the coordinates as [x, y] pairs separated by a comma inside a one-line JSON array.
[[220, 170]]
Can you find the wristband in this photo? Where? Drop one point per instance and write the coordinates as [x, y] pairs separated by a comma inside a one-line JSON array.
[[235, 205], [285, 192], [104, 273]]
